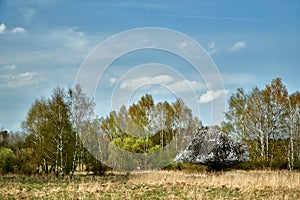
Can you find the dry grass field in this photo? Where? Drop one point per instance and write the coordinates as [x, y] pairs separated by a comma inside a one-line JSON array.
[[156, 185]]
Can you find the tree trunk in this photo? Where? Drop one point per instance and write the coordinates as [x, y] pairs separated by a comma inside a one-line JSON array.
[[262, 145], [162, 139], [291, 160], [61, 155], [267, 148], [75, 157], [45, 166], [56, 162]]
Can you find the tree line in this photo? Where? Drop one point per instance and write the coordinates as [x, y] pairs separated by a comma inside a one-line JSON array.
[[268, 121], [62, 135]]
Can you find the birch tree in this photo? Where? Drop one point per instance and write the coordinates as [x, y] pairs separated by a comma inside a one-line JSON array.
[[275, 97], [81, 112], [181, 122], [293, 121], [236, 113], [38, 126], [254, 124], [62, 129], [50, 132], [266, 120]]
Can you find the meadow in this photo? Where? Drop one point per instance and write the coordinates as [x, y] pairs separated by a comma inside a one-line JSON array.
[[156, 185]]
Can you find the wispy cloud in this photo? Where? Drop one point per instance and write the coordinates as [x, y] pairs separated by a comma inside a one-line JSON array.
[[211, 48], [186, 85], [112, 81], [128, 4], [183, 45], [211, 95], [9, 67], [66, 45], [70, 38], [203, 17], [18, 30], [2, 28], [20, 80], [237, 46], [28, 13], [133, 83], [174, 85], [239, 79]]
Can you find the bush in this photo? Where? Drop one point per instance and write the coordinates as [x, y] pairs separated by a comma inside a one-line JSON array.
[[7, 160], [96, 167], [26, 164], [274, 164], [188, 167], [279, 164], [297, 165], [252, 165]]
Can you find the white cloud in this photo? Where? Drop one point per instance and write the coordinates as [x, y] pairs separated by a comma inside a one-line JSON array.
[[67, 46], [183, 45], [20, 80], [187, 48], [211, 48], [211, 95], [132, 83], [18, 30], [14, 30], [170, 83], [2, 28], [9, 67], [69, 38], [186, 85], [112, 81], [237, 46]]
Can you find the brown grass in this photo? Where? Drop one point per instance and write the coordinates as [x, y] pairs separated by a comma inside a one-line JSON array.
[[248, 185], [157, 185]]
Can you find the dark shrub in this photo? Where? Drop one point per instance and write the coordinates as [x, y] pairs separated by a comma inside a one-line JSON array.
[[7, 160]]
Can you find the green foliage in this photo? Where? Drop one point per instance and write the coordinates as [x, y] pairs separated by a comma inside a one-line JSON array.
[[26, 162], [135, 145], [297, 165], [146, 128], [54, 127], [7, 160]]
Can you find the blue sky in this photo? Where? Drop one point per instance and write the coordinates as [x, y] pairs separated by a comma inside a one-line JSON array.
[[43, 44]]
